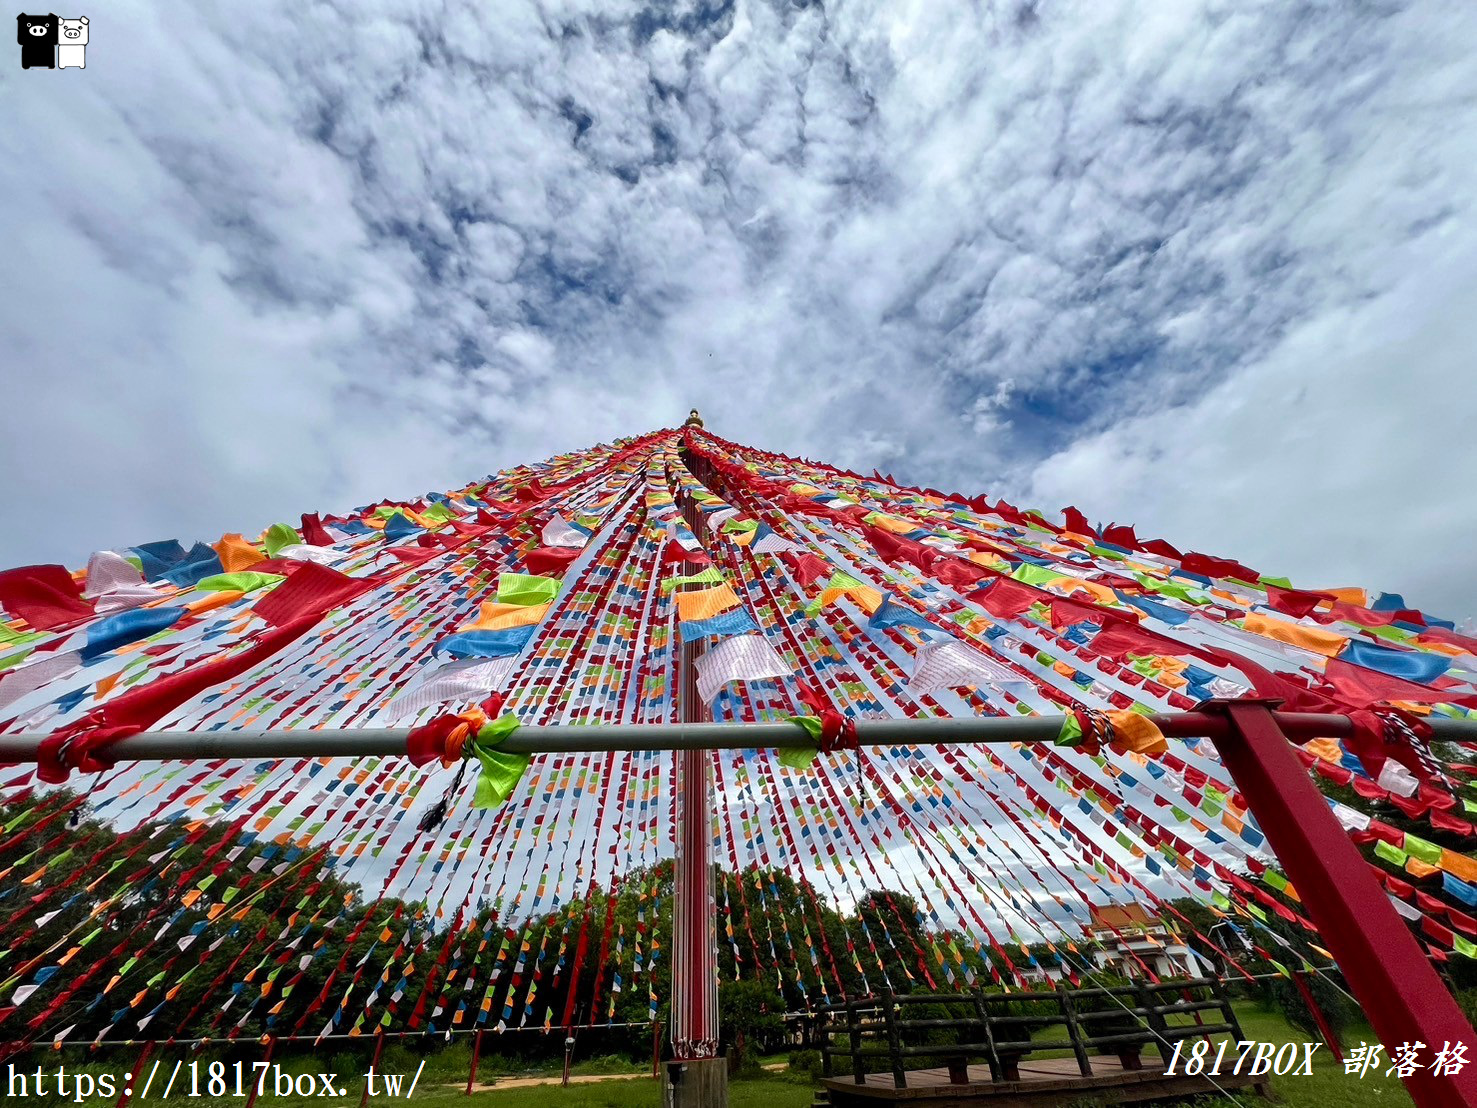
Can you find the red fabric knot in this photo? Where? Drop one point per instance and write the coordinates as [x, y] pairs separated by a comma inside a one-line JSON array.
[[838, 731], [1096, 729], [81, 746], [443, 738]]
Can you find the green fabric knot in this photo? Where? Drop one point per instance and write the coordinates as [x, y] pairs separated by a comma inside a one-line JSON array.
[[1071, 732], [501, 771], [802, 757]]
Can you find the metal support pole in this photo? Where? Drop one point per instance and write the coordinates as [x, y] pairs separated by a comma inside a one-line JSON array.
[[1401, 994], [359, 742]]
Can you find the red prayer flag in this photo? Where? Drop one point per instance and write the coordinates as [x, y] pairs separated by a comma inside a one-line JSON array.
[[44, 596]]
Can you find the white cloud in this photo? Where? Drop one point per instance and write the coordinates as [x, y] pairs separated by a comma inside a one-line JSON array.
[[1341, 457], [280, 258]]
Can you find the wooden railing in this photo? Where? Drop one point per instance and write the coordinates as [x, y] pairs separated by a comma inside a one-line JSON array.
[[998, 1027]]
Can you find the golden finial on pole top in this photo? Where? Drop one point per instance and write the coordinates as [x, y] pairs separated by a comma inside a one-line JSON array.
[[693, 419]]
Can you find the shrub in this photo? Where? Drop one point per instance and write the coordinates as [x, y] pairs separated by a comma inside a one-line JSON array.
[[807, 1062], [1337, 1009], [1467, 1000]]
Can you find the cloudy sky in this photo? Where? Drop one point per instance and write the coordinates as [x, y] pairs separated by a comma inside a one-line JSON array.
[[1206, 267]]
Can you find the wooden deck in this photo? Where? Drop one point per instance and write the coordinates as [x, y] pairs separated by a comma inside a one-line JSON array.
[[1119, 1037], [1042, 1082]]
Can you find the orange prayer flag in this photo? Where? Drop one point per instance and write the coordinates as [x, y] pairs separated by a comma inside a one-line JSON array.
[[1458, 865], [236, 553], [1315, 639]]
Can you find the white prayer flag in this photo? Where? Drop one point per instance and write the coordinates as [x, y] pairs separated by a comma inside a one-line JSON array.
[[322, 555], [741, 658], [1397, 779], [558, 532], [948, 664], [468, 680], [108, 570], [26, 680]]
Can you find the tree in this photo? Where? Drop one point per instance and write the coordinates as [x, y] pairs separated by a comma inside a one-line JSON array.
[[750, 1015]]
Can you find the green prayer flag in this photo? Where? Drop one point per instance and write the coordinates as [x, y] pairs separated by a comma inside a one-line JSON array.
[[1392, 854], [526, 589], [1417, 847], [242, 581], [1033, 574], [278, 536], [709, 576], [10, 637], [1169, 588], [838, 580], [15, 659], [1394, 634]]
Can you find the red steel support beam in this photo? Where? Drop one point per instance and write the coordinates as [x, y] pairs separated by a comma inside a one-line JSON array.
[[694, 940], [1405, 1000]]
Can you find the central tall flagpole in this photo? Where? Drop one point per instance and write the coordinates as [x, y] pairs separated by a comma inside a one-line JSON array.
[[697, 1076]]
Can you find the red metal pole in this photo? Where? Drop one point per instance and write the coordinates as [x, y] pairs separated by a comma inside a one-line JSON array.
[[1401, 994], [694, 941], [266, 1064], [379, 1047], [694, 965], [1329, 1038], [476, 1053], [135, 1075]]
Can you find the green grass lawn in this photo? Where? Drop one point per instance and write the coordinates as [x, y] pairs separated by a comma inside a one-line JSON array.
[[639, 1093], [1328, 1085], [441, 1083]]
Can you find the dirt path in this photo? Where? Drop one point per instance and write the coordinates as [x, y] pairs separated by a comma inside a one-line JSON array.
[[577, 1079]]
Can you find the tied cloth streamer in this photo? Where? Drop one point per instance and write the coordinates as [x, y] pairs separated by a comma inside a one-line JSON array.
[[1090, 730], [447, 739], [1383, 733], [81, 746], [830, 729]]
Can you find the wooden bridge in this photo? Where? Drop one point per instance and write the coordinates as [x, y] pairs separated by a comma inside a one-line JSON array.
[[988, 1047]]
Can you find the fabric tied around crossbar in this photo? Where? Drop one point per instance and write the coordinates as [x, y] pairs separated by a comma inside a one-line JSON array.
[[831, 730]]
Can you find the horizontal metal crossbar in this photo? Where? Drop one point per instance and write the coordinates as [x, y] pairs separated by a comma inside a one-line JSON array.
[[160, 746]]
